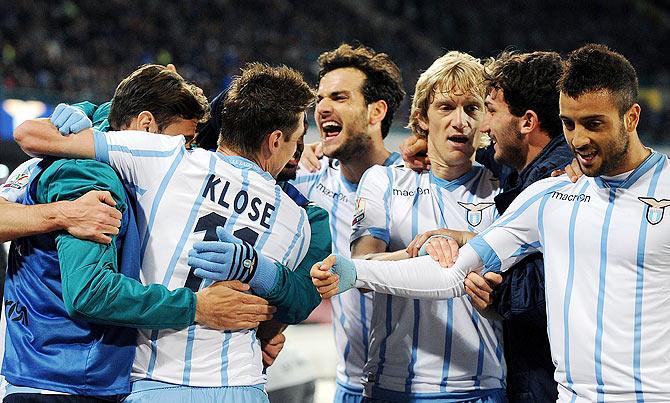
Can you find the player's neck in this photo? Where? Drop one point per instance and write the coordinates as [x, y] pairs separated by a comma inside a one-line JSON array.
[[354, 169], [637, 154], [449, 172]]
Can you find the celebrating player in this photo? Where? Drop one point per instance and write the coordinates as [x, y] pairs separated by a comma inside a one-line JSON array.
[[604, 285], [68, 298], [432, 349], [359, 92], [185, 194]]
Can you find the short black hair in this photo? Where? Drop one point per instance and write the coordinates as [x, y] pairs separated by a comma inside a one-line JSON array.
[[529, 81], [383, 80], [261, 100], [595, 67], [162, 92]]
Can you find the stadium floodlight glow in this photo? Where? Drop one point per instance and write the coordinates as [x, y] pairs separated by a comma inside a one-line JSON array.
[[21, 110]]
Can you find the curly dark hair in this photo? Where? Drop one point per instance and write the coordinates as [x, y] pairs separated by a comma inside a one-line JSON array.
[[383, 80], [529, 81], [595, 67], [162, 92], [259, 101]]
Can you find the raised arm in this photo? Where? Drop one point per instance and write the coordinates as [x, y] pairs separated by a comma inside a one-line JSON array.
[[39, 137]]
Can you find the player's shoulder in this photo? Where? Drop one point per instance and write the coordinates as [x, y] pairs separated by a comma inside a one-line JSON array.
[[554, 183]]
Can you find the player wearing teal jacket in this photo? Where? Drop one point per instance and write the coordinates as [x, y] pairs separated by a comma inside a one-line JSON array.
[[292, 293]]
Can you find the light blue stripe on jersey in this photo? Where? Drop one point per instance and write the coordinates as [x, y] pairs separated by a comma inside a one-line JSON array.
[[140, 153], [389, 298], [224, 356], [473, 315], [159, 196], [448, 336], [101, 147], [602, 276], [540, 226], [261, 242], [447, 345], [416, 303], [180, 245], [389, 329], [568, 293], [364, 327], [230, 224], [297, 234], [639, 285]]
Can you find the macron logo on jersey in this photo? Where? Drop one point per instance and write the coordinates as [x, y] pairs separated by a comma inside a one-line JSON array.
[[655, 208], [474, 211], [330, 193], [564, 196], [411, 193]]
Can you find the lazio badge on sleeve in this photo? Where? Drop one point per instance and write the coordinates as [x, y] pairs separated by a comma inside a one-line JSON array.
[[655, 208]]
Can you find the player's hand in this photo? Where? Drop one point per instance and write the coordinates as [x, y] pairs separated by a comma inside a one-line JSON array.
[[335, 275], [442, 248], [480, 289], [91, 217], [413, 150], [310, 158], [230, 258], [271, 348], [574, 171], [69, 119], [225, 306], [457, 240]]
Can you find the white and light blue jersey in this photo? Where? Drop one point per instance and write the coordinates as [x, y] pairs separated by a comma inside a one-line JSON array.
[[427, 347], [352, 309], [606, 246], [182, 197], [16, 185]]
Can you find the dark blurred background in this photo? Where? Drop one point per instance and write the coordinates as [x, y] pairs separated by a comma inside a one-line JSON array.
[[53, 51]]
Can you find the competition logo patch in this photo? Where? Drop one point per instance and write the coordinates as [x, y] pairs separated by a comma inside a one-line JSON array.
[[359, 214], [17, 182], [474, 211], [655, 208]]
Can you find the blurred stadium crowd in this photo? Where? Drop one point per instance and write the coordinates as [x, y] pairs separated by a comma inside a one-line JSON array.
[[72, 50]]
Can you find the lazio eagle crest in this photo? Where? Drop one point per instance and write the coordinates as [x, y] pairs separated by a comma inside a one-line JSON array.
[[474, 211], [655, 208]]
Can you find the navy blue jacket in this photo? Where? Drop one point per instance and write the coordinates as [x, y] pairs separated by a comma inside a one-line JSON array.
[[520, 297]]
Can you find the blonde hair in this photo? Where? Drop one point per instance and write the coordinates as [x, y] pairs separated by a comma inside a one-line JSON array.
[[453, 72]]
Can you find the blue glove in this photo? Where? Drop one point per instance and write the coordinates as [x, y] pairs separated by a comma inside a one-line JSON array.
[[230, 258], [422, 249], [69, 119], [346, 269]]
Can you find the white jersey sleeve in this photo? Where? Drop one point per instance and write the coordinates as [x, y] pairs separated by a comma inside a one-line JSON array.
[[373, 205], [421, 277], [138, 156], [16, 185]]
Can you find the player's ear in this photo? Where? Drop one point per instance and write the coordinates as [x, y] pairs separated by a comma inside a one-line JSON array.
[[529, 122], [273, 142], [146, 122], [632, 117], [423, 121], [377, 111]]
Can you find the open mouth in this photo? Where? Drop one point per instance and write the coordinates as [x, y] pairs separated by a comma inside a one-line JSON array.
[[330, 129], [460, 139], [586, 158]]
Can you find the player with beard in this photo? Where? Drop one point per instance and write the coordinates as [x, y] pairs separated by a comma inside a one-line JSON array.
[[359, 92], [522, 121], [604, 237]]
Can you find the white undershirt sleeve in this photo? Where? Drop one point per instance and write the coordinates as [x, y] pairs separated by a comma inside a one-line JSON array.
[[420, 277]]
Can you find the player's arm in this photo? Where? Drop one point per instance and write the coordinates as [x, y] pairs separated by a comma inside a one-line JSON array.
[[293, 293], [496, 249], [290, 291], [370, 230], [95, 291], [91, 216], [39, 137]]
